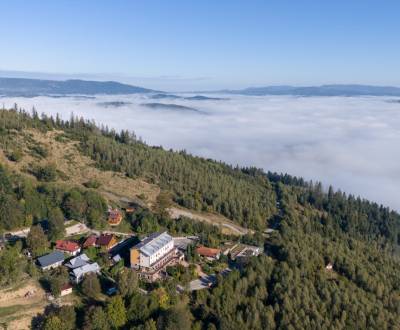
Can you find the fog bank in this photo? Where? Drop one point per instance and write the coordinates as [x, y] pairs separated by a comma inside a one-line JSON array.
[[349, 142]]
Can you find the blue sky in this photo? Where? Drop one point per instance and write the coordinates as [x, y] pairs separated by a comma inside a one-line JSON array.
[[186, 45]]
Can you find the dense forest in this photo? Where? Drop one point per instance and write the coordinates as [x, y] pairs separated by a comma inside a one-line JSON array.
[[287, 288]]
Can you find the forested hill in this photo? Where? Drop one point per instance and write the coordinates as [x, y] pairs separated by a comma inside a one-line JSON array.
[[35, 87], [289, 287]]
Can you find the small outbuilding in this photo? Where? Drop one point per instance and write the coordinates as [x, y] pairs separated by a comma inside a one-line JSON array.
[[90, 241], [66, 289], [209, 253]]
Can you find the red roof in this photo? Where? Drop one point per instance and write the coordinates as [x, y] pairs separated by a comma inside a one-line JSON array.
[[104, 239], [114, 217], [68, 246], [208, 252], [90, 241], [114, 214], [66, 286]]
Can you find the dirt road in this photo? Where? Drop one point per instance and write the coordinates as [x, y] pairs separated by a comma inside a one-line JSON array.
[[227, 226]]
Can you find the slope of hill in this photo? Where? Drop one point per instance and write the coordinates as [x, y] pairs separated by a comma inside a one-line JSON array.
[[35, 87], [288, 287]]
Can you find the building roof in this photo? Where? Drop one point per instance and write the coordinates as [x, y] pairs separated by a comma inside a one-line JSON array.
[[104, 239], [153, 243], [114, 214], [208, 252], [88, 268], [114, 217], [69, 246], [90, 241], [78, 261], [66, 286], [51, 258], [117, 258]]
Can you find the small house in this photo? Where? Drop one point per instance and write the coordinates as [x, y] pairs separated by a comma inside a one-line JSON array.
[[69, 247], [114, 217], [79, 273], [329, 266], [106, 241], [66, 289], [78, 261], [90, 241], [208, 253], [51, 260]]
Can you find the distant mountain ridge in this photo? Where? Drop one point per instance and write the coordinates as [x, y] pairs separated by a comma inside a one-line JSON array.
[[324, 90], [37, 87]]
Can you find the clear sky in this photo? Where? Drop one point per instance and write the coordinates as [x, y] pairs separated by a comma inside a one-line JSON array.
[[184, 45]]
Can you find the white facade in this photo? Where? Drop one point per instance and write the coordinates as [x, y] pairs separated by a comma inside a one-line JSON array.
[[52, 266], [154, 248]]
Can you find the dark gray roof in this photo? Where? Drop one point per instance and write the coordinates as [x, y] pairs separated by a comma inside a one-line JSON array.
[[51, 258]]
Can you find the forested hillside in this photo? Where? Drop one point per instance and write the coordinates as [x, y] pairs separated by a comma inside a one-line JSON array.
[[287, 288]]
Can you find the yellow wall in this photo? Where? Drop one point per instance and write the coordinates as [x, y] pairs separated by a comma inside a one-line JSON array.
[[134, 257]]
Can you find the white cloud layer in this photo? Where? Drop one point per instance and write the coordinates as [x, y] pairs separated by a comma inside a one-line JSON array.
[[349, 142]]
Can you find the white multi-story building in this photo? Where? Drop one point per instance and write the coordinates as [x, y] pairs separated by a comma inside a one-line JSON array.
[[152, 251]]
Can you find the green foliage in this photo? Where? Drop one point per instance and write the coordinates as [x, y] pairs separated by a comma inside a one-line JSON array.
[[91, 286], [96, 319], [55, 279], [14, 155], [116, 312], [177, 317], [127, 282], [63, 318], [164, 201], [39, 151], [181, 274], [88, 205], [37, 241], [93, 184], [46, 173], [56, 224], [53, 323], [12, 265], [142, 307]]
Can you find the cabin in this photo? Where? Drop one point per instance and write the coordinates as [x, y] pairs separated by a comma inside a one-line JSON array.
[[106, 241], [79, 273], [114, 217], [129, 210], [66, 289], [90, 241], [208, 253], [51, 260], [68, 247]]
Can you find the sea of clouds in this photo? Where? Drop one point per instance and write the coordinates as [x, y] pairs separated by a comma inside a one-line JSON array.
[[349, 142]]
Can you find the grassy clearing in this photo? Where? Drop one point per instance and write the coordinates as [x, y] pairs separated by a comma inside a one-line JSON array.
[[10, 310]]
